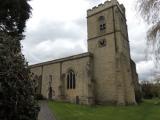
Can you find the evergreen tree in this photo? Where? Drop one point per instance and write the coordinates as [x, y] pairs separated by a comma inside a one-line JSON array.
[[13, 15], [16, 89]]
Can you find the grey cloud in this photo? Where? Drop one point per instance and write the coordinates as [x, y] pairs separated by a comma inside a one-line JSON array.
[[55, 37], [145, 76], [56, 51], [145, 70], [51, 31], [82, 23], [94, 2], [138, 57], [137, 40], [138, 51]]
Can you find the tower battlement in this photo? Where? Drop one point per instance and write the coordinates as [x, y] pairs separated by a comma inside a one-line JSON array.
[[105, 5]]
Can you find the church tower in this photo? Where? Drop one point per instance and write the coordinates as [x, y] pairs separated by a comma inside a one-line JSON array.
[[109, 44]]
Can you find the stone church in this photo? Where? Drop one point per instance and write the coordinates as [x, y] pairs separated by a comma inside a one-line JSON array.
[[105, 74]]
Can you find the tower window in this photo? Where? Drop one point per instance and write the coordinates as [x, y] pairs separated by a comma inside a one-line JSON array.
[[71, 80], [102, 27], [102, 23]]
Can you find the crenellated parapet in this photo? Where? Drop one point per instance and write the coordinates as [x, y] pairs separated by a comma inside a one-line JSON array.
[[105, 5]]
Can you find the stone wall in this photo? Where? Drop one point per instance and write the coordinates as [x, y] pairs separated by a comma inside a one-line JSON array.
[[112, 67], [57, 71]]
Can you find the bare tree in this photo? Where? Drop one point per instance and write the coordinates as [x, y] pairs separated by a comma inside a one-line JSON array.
[[150, 12]]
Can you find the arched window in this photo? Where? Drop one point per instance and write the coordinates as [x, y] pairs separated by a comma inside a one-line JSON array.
[[71, 81], [102, 23]]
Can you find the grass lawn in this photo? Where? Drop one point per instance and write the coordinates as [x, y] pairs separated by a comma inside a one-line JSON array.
[[148, 110]]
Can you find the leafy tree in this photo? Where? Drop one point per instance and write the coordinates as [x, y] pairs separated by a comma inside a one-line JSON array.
[[16, 89], [147, 90], [150, 89], [149, 10]]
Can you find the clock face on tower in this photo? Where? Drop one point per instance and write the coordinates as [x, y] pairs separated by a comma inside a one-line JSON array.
[[102, 43]]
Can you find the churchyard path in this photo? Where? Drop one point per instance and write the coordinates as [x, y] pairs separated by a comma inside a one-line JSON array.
[[45, 113]]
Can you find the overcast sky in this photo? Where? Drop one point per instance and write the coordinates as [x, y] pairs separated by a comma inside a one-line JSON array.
[[58, 29]]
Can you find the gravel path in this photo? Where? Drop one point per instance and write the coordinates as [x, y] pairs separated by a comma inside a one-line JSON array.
[[45, 113]]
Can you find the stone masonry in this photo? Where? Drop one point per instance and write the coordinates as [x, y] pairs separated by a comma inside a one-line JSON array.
[[105, 74]]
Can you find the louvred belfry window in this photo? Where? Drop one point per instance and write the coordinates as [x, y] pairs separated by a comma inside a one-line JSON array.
[[102, 23]]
